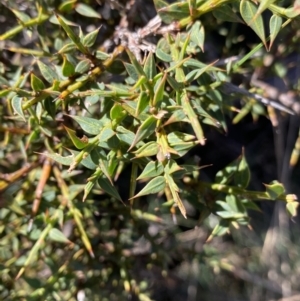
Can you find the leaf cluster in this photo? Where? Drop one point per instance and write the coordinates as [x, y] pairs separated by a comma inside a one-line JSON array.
[[80, 119]]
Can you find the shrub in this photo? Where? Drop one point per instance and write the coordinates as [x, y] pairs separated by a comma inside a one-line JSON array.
[[97, 125]]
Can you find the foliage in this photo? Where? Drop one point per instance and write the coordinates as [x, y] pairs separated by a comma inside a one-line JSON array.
[[95, 141]]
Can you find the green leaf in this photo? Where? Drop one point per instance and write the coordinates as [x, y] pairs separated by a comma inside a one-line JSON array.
[[125, 135], [48, 74], [197, 34], [90, 39], [87, 11], [179, 137], [57, 236], [117, 112], [275, 26], [193, 118], [225, 13], [142, 102], [97, 154], [292, 208], [145, 130], [54, 20], [89, 125], [274, 190], [88, 162], [70, 47], [156, 185], [147, 150], [248, 11], [60, 159], [152, 169], [242, 175], [75, 38], [83, 66], [36, 83], [106, 133], [137, 66], [219, 230], [235, 204], [105, 184], [177, 116], [246, 109], [237, 171], [174, 191], [172, 167], [174, 84], [79, 143], [101, 55], [50, 107], [67, 6], [194, 74], [16, 103], [250, 205], [163, 56], [131, 71], [172, 12], [159, 90], [183, 148], [88, 187], [68, 68], [21, 15], [149, 67], [263, 5]]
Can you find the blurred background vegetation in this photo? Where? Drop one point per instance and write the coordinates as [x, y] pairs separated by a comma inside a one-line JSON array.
[[55, 247]]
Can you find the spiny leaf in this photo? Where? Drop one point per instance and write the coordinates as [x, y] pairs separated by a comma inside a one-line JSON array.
[[68, 68], [152, 169], [292, 208], [159, 90], [105, 184], [138, 68], [248, 10], [225, 13], [219, 230], [149, 67], [174, 191], [154, 186], [89, 125], [83, 66], [165, 57], [60, 159], [142, 103], [36, 83], [90, 39], [172, 12], [79, 143], [197, 34], [16, 103], [275, 26], [179, 137], [75, 38], [49, 74], [87, 11], [193, 118], [145, 129], [125, 135], [274, 189], [57, 236], [263, 5], [147, 150]]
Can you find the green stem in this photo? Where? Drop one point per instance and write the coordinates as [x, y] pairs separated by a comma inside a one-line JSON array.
[[254, 195], [36, 21]]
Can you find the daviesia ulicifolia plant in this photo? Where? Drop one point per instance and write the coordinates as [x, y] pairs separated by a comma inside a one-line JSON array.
[[78, 118]]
